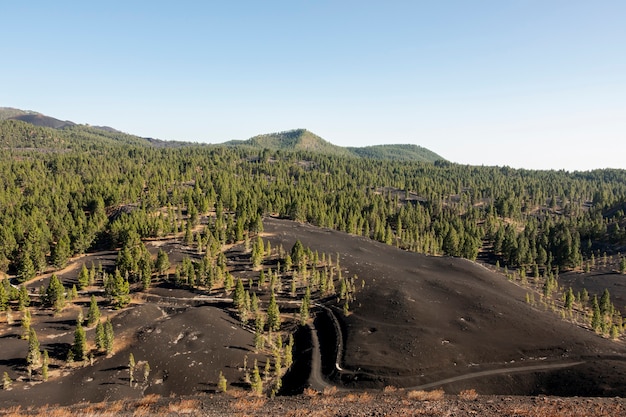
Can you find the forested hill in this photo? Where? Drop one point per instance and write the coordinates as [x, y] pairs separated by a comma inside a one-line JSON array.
[[397, 153], [304, 140], [51, 133], [58, 188]]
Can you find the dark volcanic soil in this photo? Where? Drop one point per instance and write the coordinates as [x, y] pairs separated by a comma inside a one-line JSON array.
[[423, 321], [418, 322]]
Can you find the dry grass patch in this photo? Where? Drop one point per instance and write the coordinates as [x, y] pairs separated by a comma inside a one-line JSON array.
[[184, 406], [389, 389], [148, 400], [249, 404], [330, 391], [310, 392], [421, 395], [468, 394]]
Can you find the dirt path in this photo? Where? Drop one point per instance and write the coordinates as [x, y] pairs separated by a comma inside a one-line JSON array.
[[316, 379], [530, 368]]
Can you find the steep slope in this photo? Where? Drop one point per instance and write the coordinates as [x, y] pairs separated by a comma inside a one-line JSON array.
[[424, 321]]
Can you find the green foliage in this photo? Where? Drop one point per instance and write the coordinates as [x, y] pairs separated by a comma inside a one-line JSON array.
[[45, 363], [79, 347], [93, 314], [273, 314], [33, 358], [83, 278], [55, 294], [109, 337], [7, 382], [222, 384], [117, 290]]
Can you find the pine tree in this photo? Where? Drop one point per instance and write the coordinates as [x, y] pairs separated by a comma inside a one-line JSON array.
[[273, 314], [83, 278], [55, 294], [146, 372], [26, 322], [23, 298], [222, 384], [238, 296], [256, 382], [44, 365], [289, 352], [34, 355], [305, 306], [596, 318], [100, 336], [6, 381], [79, 347], [93, 314]]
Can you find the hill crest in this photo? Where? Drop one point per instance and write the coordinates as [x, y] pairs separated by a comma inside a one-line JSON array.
[[305, 140]]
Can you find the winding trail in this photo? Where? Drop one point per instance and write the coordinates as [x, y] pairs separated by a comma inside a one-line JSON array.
[[318, 382], [316, 378], [530, 368]]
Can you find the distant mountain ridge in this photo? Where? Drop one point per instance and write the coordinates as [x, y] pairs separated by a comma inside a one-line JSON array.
[[289, 140], [304, 140]]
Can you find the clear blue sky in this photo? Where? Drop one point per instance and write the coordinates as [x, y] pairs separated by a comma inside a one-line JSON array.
[[524, 83]]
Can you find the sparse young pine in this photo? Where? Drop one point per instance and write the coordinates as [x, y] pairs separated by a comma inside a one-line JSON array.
[[614, 332], [222, 384], [146, 372], [6, 381], [256, 382], [83, 278], [23, 298], [100, 338], [34, 355], [109, 337], [93, 314], [273, 314], [79, 347], [26, 321], [45, 363], [289, 352]]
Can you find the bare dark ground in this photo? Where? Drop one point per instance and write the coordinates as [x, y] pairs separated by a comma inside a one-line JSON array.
[[418, 322]]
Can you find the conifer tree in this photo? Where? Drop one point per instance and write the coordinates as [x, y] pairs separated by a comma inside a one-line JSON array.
[[6, 381], [26, 322], [79, 347], [273, 314], [93, 314], [34, 355], [109, 337], [222, 384], [83, 278], [100, 336], [44, 365]]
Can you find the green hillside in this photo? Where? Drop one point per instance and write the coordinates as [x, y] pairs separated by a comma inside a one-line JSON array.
[[304, 140], [397, 153], [292, 140], [19, 134]]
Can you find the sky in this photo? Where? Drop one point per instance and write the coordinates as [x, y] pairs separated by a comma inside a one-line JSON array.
[[536, 84]]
